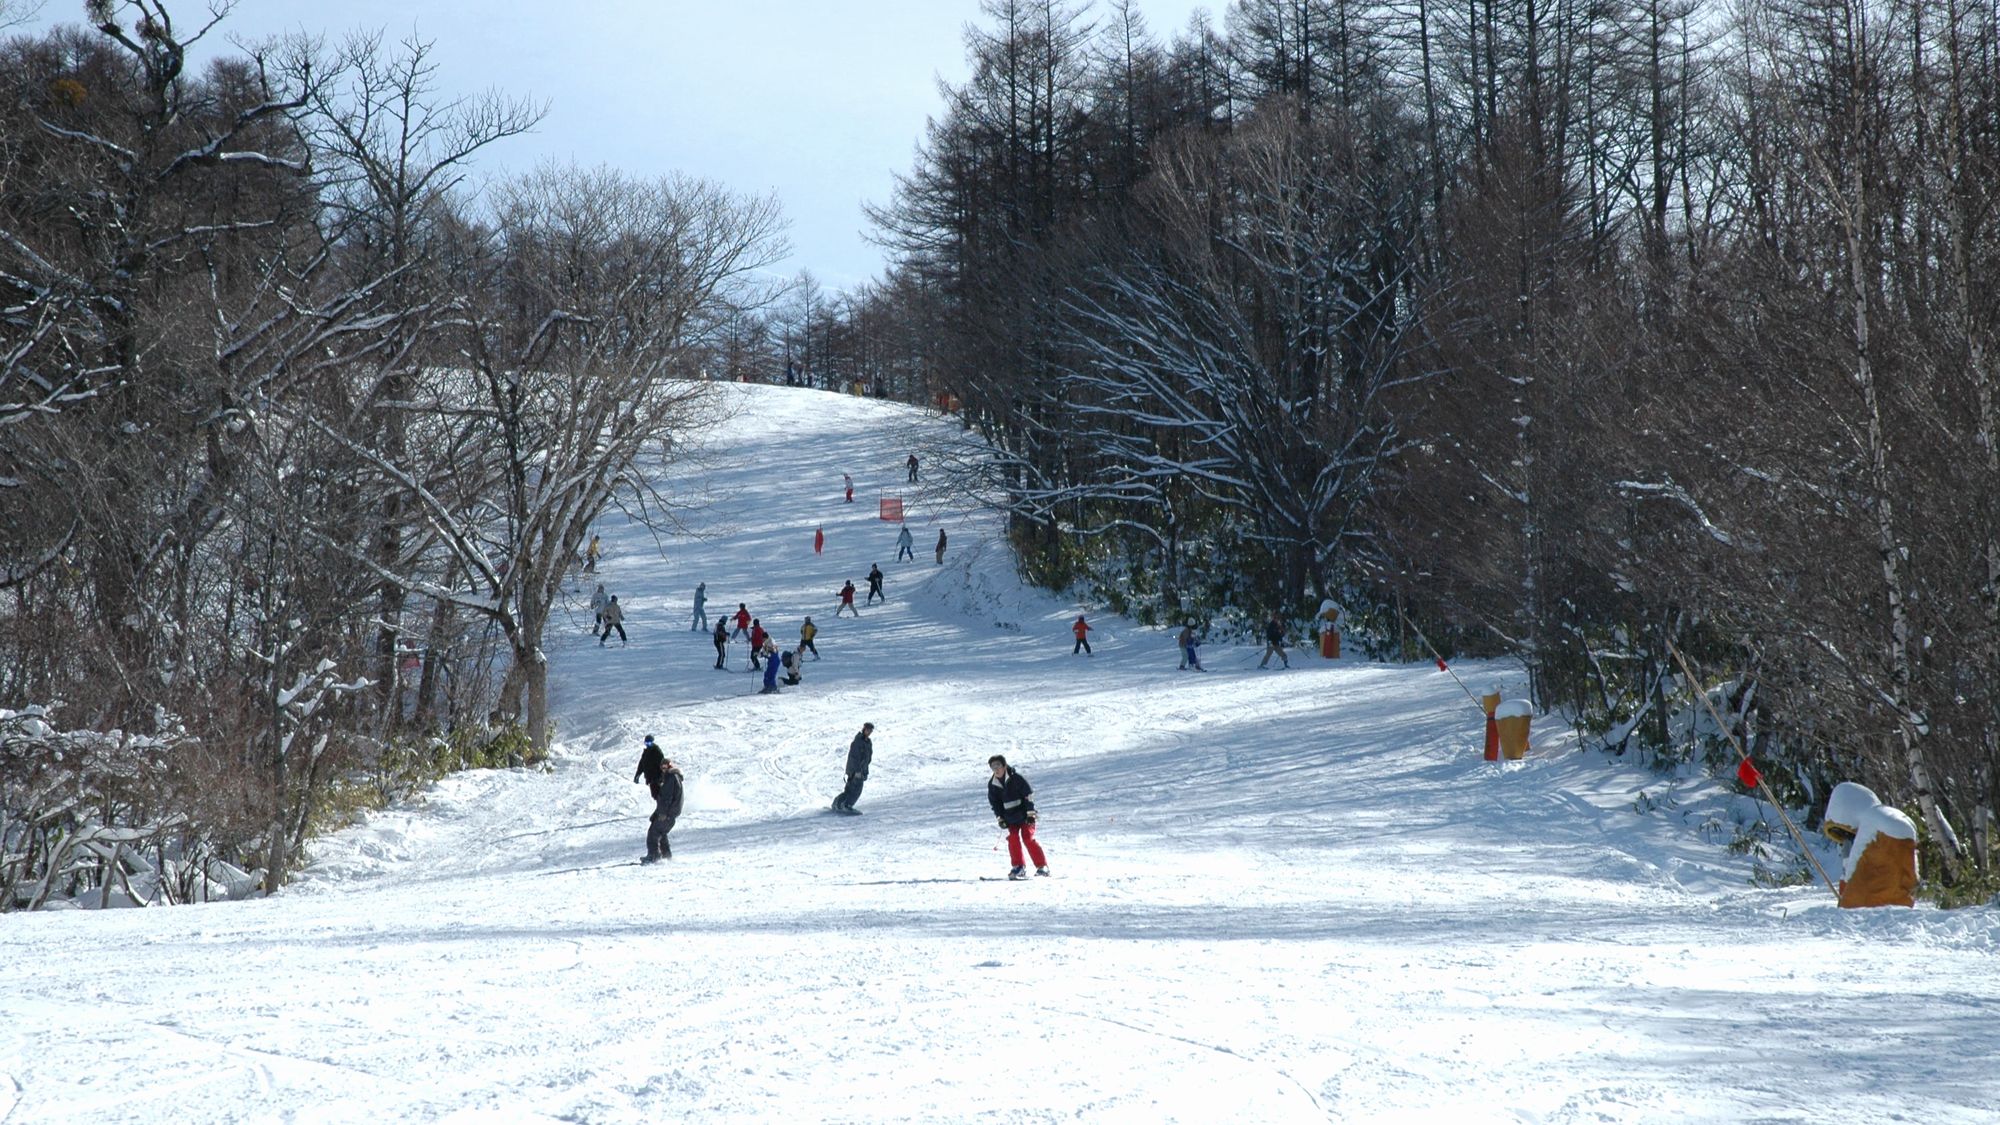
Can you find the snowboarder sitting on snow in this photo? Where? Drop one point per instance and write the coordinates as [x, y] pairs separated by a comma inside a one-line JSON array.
[[1881, 848], [847, 600], [652, 763], [666, 810], [860, 753], [792, 663], [1013, 803], [1188, 643], [875, 584]]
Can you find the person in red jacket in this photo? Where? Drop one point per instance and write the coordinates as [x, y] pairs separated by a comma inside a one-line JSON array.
[[742, 621], [1082, 631], [757, 638], [847, 600]]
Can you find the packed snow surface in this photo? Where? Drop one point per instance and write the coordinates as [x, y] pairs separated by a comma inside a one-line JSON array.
[[1289, 895]]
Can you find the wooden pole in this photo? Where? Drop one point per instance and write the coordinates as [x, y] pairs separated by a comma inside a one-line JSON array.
[[1446, 668], [1743, 756]]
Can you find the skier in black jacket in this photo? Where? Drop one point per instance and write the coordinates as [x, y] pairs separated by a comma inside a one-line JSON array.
[[860, 752], [1274, 641], [651, 764], [1013, 803], [666, 810]]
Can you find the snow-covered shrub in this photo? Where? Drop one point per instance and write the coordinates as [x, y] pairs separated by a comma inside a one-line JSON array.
[[97, 819]]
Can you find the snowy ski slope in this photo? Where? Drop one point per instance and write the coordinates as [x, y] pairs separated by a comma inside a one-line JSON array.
[[1282, 896]]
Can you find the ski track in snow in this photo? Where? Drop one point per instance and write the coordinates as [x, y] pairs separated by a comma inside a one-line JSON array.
[[1281, 896]]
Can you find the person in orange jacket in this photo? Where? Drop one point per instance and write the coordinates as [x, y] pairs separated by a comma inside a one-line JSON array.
[[1082, 631]]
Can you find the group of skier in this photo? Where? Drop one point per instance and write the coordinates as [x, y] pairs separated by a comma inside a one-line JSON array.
[[608, 615], [1008, 793]]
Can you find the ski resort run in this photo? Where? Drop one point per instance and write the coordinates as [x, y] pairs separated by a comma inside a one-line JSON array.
[[1295, 894]]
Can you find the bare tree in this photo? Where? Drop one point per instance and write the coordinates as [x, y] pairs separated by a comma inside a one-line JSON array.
[[586, 315]]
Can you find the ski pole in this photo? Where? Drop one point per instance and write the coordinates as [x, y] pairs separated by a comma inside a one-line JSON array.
[[1743, 759]]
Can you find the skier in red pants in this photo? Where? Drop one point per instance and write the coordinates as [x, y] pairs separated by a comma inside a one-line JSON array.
[[1013, 803]]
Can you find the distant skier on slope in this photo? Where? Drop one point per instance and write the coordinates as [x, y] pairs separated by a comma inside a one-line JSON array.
[[912, 465], [758, 639], [1274, 641], [860, 753], [875, 583], [666, 810], [1013, 803], [614, 618], [1189, 642], [743, 619], [807, 632], [1082, 630], [848, 480], [847, 600], [598, 600], [699, 623], [940, 547], [722, 643], [905, 545], [652, 763]]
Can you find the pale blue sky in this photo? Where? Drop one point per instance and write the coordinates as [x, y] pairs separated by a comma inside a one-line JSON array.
[[816, 100]]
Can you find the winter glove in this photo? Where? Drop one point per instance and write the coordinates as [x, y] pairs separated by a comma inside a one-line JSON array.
[[1001, 821], [1031, 816]]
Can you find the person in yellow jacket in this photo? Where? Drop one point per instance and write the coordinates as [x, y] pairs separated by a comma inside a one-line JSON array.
[[807, 632], [1881, 848]]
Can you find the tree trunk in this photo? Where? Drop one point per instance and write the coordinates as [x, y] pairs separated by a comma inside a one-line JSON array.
[[1909, 726]]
